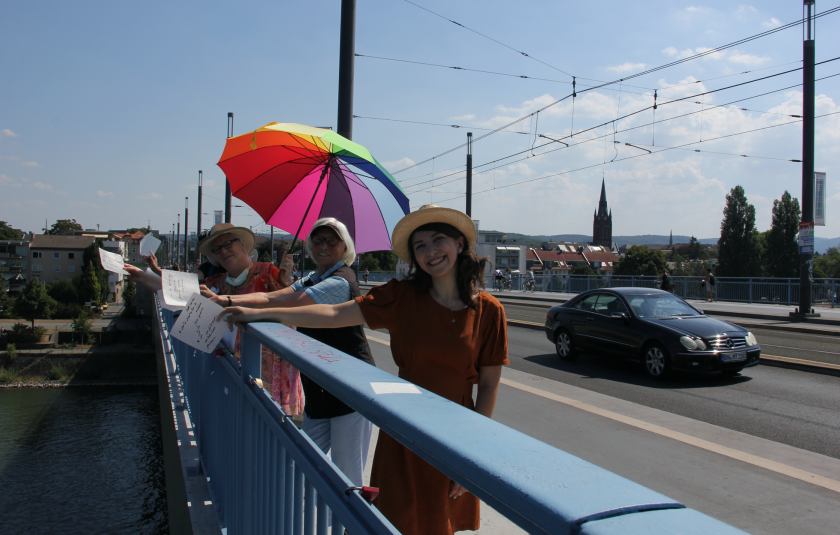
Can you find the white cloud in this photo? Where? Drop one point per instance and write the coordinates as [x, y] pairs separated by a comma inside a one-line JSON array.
[[746, 9], [772, 23], [693, 8], [30, 164], [149, 197], [626, 66], [710, 56], [8, 182], [467, 117], [746, 59], [62, 193], [10, 204], [13, 158], [41, 186], [677, 54], [105, 193], [37, 202], [7, 133], [398, 164]]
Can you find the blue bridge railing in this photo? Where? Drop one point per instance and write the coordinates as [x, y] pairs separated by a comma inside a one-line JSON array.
[[266, 476]]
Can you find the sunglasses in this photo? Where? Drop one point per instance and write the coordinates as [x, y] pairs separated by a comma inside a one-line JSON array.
[[320, 240], [226, 246]]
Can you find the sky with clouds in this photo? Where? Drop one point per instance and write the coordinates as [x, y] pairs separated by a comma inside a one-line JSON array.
[[112, 108]]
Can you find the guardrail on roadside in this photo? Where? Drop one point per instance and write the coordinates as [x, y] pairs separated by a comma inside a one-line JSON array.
[[267, 476], [735, 289]]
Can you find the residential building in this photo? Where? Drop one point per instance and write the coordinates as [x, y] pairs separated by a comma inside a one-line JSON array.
[[14, 258], [56, 257], [132, 245]]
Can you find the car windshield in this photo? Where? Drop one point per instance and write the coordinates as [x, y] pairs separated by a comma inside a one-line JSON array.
[[658, 305]]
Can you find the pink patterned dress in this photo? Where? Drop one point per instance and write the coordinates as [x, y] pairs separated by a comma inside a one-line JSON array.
[[279, 378]]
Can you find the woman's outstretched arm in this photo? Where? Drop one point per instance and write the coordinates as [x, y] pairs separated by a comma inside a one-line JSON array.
[[139, 276], [347, 314]]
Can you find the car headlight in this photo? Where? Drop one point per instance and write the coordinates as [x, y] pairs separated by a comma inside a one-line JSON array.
[[701, 345], [751, 341], [688, 343]]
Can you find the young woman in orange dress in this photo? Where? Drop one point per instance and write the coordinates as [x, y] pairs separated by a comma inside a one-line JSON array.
[[446, 336]]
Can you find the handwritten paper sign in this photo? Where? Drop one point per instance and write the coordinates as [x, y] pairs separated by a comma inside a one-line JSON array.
[[174, 308], [149, 244], [111, 262], [197, 325], [178, 287]]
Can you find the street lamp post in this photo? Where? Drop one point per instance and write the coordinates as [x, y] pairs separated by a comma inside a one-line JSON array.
[[227, 182], [186, 232]]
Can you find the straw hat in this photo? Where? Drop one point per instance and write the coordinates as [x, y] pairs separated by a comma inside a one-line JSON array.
[[430, 213], [205, 246]]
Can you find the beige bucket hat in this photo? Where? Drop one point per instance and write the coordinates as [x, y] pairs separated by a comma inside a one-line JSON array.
[[430, 213], [248, 238]]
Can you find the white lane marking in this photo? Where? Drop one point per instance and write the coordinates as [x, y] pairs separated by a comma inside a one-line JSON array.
[[732, 453], [804, 362], [378, 341], [802, 349]]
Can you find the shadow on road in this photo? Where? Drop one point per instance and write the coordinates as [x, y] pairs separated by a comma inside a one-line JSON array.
[[588, 366]]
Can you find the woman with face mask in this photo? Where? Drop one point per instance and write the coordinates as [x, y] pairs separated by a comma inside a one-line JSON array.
[[230, 247], [446, 336]]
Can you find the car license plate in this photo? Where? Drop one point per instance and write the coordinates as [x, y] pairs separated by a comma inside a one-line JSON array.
[[734, 357]]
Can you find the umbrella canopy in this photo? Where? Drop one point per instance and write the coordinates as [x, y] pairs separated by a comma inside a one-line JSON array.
[[293, 175]]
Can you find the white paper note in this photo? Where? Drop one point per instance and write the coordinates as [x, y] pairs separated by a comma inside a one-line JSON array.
[[394, 388], [111, 262], [163, 304], [149, 244], [178, 287], [197, 325]]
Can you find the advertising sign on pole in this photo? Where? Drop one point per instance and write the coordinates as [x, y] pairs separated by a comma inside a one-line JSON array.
[[806, 238], [217, 216], [819, 199]]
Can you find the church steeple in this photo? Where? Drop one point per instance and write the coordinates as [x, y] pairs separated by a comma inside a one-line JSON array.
[[602, 221]]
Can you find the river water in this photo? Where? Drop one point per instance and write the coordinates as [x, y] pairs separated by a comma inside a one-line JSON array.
[[81, 460]]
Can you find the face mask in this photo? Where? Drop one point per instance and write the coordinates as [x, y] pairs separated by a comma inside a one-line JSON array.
[[240, 279]]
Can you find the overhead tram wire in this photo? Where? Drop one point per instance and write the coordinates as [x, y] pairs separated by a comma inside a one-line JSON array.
[[627, 158], [617, 132], [488, 37], [622, 80], [648, 124], [521, 76], [435, 124]]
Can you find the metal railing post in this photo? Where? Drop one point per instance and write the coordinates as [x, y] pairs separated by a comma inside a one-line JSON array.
[[750, 292], [789, 285], [250, 351]]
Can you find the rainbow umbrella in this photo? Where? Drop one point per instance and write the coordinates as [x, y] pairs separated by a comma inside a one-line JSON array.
[[293, 175]]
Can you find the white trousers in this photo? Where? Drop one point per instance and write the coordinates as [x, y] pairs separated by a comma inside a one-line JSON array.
[[346, 439]]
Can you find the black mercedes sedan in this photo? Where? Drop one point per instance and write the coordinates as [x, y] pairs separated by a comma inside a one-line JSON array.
[[655, 327]]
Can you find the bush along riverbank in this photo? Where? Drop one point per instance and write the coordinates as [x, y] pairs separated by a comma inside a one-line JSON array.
[[109, 365]]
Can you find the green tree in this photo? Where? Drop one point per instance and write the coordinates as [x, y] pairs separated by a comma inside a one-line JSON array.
[[739, 254], [34, 302], [63, 291], [91, 256], [640, 260], [128, 293], [828, 265], [90, 284], [694, 251], [8, 233], [781, 257], [583, 269], [83, 324], [369, 262], [266, 257], [63, 226]]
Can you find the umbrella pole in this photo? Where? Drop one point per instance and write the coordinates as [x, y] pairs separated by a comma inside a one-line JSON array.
[[327, 167]]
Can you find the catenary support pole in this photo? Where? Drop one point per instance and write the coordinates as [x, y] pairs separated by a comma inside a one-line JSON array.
[[469, 174], [227, 183], [272, 243], [178, 242], [808, 54], [346, 57], [198, 219], [186, 232]]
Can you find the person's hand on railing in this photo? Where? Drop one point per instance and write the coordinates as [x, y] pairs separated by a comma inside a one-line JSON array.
[[211, 295], [153, 264], [243, 315]]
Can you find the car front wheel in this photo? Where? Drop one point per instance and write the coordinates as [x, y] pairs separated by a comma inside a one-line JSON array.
[[656, 361], [564, 345]]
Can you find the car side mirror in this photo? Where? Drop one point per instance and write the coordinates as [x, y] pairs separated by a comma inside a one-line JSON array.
[[619, 316]]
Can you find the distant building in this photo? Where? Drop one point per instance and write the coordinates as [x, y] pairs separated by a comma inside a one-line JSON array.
[[132, 245], [14, 258], [602, 221], [56, 257]]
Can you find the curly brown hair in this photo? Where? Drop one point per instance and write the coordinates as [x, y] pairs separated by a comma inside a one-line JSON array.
[[470, 266]]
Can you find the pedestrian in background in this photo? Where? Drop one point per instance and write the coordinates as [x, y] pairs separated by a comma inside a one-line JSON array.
[[446, 336], [710, 284]]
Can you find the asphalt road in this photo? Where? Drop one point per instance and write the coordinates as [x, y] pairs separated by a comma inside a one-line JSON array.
[[735, 449]]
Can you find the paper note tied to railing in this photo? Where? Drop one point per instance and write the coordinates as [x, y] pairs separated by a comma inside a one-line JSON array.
[[178, 287], [111, 262], [149, 244], [197, 325]]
